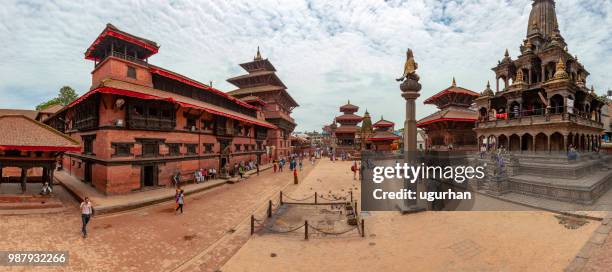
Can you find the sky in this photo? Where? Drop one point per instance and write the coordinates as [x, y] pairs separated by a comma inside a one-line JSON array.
[[326, 52]]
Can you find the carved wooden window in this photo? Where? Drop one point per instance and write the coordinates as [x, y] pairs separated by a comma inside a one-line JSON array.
[[88, 144], [174, 149], [150, 149], [192, 149], [122, 149], [150, 115], [86, 114], [131, 72], [208, 148]]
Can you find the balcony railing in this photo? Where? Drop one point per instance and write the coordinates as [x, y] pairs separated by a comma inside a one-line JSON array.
[[539, 116], [123, 56]]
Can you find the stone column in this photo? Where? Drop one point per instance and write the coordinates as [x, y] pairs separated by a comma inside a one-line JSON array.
[[533, 143], [410, 92], [565, 143]]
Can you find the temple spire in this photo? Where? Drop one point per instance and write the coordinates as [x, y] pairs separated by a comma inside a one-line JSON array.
[[258, 55], [454, 84], [542, 19]]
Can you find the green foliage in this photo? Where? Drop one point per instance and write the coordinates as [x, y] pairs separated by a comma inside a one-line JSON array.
[[65, 96]]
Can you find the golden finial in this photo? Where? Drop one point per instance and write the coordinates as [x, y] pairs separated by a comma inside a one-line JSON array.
[[592, 89], [210, 83], [258, 55], [454, 84], [561, 73], [506, 54], [488, 84]]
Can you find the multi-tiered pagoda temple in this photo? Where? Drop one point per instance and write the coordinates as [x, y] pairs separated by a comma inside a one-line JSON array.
[[383, 137], [346, 133], [263, 83], [451, 127], [544, 105]]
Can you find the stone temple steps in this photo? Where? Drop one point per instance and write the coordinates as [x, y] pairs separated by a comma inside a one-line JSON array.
[[552, 176]]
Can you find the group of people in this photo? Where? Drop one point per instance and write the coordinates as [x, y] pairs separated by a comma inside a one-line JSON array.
[[295, 162], [242, 167], [204, 174]]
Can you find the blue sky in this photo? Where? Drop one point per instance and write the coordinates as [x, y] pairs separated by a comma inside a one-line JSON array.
[[325, 51]]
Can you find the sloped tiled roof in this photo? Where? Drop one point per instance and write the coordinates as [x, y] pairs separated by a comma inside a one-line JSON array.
[[450, 114], [24, 133], [27, 113]]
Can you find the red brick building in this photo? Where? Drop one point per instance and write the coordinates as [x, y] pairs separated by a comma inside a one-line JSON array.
[[262, 82], [140, 124], [453, 124]]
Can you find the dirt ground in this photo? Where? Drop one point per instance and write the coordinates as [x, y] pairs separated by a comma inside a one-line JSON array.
[[427, 241]]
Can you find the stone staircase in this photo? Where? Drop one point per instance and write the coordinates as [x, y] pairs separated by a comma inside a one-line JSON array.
[[548, 175]]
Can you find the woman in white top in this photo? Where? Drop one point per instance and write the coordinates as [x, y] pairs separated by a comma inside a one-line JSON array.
[[86, 214]]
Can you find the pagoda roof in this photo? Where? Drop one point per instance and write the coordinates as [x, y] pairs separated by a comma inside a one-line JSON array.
[[271, 76], [383, 123], [26, 134], [383, 136], [456, 114], [183, 79], [258, 64], [32, 114], [111, 32], [349, 106], [349, 117], [452, 90], [253, 99], [118, 87], [346, 129], [256, 89]]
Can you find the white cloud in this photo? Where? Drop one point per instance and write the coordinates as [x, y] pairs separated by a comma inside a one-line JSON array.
[[325, 51]]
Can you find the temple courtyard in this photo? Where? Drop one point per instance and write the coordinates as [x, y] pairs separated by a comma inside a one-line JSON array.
[[214, 234]]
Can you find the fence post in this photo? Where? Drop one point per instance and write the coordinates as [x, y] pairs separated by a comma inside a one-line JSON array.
[[252, 224], [281, 197], [362, 228], [355, 207], [306, 230], [315, 197], [351, 195], [269, 208]]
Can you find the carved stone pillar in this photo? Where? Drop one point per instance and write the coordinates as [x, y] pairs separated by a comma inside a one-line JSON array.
[[565, 143]]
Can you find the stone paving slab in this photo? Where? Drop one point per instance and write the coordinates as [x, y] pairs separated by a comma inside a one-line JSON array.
[[116, 203]]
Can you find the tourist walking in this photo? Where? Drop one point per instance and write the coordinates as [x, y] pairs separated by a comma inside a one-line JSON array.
[[354, 170], [86, 214], [301, 165], [295, 176], [180, 200], [274, 165]]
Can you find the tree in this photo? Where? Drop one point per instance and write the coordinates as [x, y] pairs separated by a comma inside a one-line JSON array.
[[65, 96]]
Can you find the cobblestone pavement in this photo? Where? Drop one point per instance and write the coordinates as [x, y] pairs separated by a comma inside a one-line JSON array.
[[151, 238]]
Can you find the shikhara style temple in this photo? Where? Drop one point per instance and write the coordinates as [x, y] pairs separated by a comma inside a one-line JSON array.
[[383, 137], [544, 104], [346, 134], [452, 125], [262, 88], [140, 124]]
